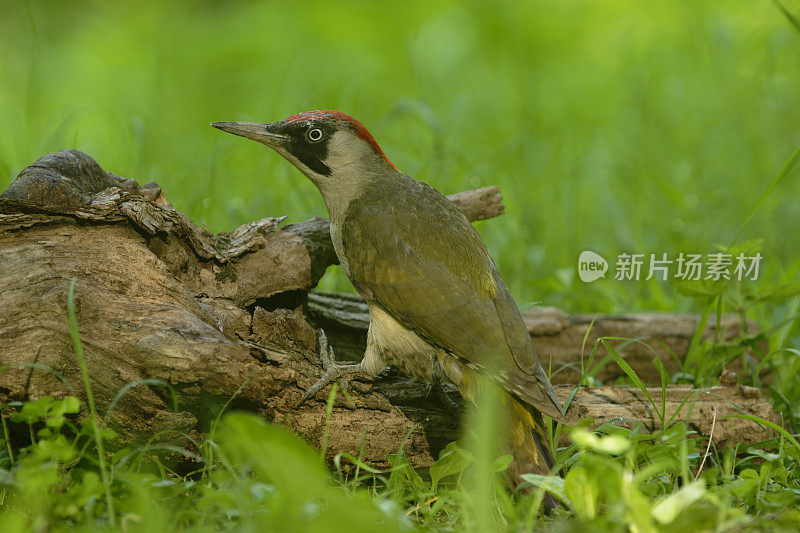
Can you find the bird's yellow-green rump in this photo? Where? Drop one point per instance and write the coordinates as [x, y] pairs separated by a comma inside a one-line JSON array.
[[438, 306]]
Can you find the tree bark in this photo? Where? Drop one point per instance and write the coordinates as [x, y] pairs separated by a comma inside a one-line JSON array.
[[214, 315]]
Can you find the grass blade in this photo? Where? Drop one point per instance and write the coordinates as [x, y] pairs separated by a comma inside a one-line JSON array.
[[772, 425], [98, 437], [787, 167], [630, 372], [129, 386]]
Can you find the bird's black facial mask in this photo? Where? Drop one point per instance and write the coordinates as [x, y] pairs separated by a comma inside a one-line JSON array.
[[308, 142]]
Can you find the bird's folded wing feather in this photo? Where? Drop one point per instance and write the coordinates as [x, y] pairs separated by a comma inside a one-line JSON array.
[[430, 270]]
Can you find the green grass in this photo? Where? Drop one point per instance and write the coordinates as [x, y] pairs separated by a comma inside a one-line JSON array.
[[255, 476], [615, 126]]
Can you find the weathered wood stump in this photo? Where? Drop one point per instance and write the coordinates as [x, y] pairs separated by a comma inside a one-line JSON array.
[[226, 315]]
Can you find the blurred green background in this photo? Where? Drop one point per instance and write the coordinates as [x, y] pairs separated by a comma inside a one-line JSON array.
[[644, 127]]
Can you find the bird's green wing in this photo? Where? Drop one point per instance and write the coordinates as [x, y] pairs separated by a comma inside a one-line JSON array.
[[412, 251]]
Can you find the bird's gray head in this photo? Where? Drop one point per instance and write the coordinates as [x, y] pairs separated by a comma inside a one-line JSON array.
[[326, 146]]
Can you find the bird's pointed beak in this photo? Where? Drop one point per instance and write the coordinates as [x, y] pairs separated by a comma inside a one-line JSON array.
[[264, 133]]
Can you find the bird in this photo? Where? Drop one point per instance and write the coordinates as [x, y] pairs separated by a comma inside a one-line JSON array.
[[438, 307]]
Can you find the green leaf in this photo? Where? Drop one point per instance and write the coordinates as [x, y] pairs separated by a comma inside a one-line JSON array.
[[638, 509], [273, 454], [55, 449], [668, 508], [452, 460], [57, 410], [552, 484], [611, 444], [747, 484], [699, 288], [403, 473], [34, 411], [780, 292], [90, 488], [581, 491], [767, 456], [502, 463], [749, 247]]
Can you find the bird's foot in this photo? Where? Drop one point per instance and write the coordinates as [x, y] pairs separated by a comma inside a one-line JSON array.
[[333, 371]]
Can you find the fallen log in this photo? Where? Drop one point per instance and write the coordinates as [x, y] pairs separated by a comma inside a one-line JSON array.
[[707, 411], [701, 409], [216, 316], [159, 297], [558, 337]]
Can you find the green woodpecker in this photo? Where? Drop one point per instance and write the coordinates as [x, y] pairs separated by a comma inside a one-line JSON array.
[[438, 307]]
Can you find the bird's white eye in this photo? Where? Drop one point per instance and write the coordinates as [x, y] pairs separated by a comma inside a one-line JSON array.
[[314, 134]]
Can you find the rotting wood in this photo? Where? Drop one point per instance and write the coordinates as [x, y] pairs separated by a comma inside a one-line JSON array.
[[626, 406], [216, 316]]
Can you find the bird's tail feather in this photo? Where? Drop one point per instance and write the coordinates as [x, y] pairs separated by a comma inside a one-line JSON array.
[[526, 436], [529, 445]]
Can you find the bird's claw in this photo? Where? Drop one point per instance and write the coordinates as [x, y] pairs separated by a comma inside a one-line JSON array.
[[333, 371]]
